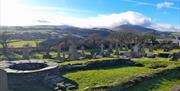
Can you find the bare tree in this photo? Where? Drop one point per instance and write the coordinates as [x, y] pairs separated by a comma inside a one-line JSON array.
[[4, 40]]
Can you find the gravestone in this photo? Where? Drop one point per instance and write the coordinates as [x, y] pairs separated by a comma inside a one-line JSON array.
[[59, 57], [82, 50], [116, 49], [3, 80], [138, 51], [110, 49], [59, 52], [151, 48], [26, 51], [73, 53], [135, 48], [102, 49]]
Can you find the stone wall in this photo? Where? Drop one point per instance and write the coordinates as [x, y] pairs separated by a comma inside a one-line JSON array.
[[26, 78], [98, 65], [132, 82], [3, 80]]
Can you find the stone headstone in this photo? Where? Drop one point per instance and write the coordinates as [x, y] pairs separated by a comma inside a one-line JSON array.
[[151, 48], [3, 80], [110, 49], [26, 51], [116, 49], [102, 49], [138, 51], [135, 48], [59, 52], [73, 52], [82, 50]]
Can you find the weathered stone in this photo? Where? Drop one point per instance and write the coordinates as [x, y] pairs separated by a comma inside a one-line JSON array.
[[176, 88], [26, 51], [3, 80], [164, 55], [102, 49], [175, 57], [73, 53], [17, 77], [137, 51], [150, 55]]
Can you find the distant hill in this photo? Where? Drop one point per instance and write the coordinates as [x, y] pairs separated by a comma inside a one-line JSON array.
[[41, 31], [58, 30], [133, 28]]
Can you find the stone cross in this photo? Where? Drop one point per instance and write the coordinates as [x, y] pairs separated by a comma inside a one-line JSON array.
[[59, 51], [135, 48], [73, 52], [116, 49], [102, 49], [110, 46], [83, 50], [26, 51], [3, 80]]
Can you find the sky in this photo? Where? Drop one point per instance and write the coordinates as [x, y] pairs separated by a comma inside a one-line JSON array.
[[163, 15]]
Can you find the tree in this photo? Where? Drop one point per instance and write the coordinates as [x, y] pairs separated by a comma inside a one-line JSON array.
[[4, 40]]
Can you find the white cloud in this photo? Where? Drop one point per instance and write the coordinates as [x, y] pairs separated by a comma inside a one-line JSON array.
[[166, 27], [168, 5], [165, 5]]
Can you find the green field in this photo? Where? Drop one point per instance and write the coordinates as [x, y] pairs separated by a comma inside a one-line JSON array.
[[117, 75], [21, 43]]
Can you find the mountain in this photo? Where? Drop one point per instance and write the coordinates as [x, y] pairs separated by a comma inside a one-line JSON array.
[[61, 30], [133, 28], [55, 30]]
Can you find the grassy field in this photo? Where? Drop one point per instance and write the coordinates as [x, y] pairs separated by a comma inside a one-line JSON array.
[[21, 43], [112, 76]]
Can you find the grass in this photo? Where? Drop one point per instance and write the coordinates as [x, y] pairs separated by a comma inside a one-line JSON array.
[[112, 76], [85, 61], [164, 83], [161, 51], [106, 77], [21, 43]]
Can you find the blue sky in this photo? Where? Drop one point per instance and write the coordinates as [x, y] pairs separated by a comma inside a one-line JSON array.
[[161, 12], [96, 7]]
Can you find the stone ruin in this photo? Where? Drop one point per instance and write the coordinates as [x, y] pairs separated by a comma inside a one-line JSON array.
[[27, 72], [73, 54], [3, 80], [138, 51]]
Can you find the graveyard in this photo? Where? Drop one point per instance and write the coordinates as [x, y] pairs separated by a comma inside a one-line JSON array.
[[89, 45], [112, 63]]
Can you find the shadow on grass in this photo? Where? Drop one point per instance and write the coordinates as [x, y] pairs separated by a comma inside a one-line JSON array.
[[154, 83], [98, 68], [99, 65], [30, 87]]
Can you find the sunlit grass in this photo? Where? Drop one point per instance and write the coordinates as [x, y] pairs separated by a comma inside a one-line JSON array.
[[112, 76]]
